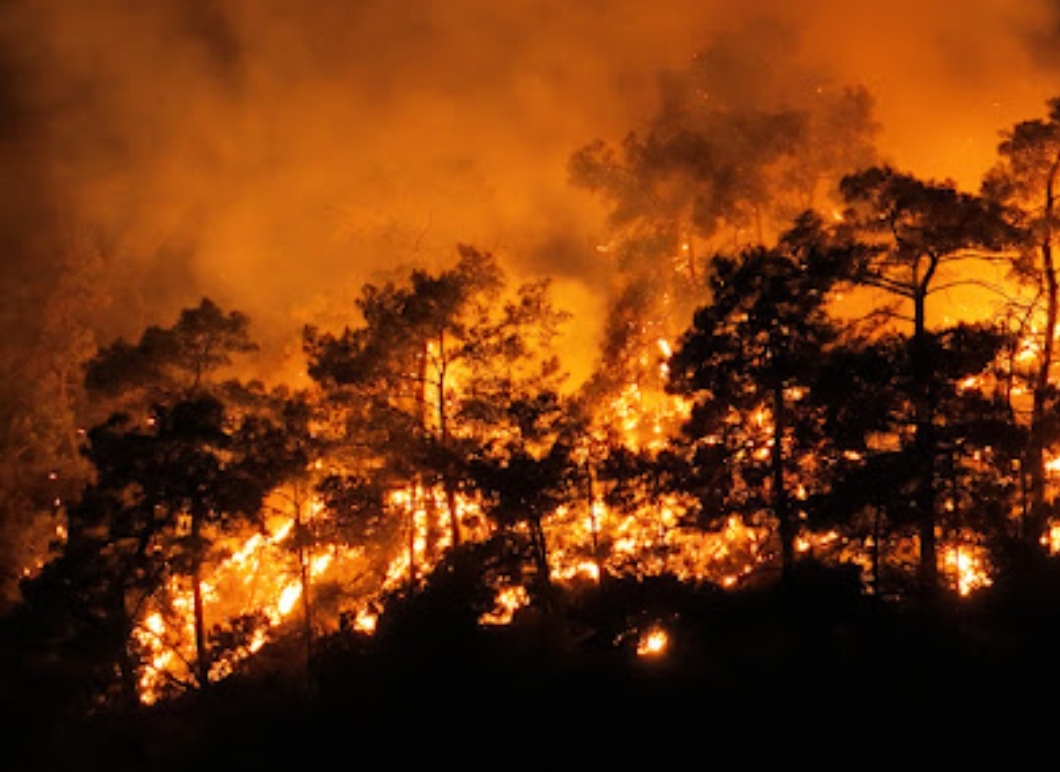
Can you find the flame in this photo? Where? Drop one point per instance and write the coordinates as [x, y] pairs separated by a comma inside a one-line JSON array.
[[585, 541], [288, 597], [259, 576], [653, 643], [319, 564], [810, 542], [365, 621], [508, 601], [969, 567]]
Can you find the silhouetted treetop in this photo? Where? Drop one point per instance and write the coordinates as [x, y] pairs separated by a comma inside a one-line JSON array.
[[172, 360]]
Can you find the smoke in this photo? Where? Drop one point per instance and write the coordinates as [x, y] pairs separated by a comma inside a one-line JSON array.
[[270, 153]]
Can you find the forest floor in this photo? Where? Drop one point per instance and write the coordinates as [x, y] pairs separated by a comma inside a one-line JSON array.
[[765, 675]]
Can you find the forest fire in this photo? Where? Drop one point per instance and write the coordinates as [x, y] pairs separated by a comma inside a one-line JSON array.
[[256, 583], [259, 578], [772, 400]]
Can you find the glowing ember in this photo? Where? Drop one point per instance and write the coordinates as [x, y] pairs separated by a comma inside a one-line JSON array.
[[508, 601], [365, 621], [1053, 465], [811, 543], [319, 564], [653, 643], [1052, 538], [259, 579], [968, 566]]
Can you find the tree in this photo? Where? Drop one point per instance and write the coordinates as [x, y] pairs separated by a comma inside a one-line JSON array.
[[284, 451], [527, 469], [723, 165], [1027, 180], [42, 400], [396, 373], [867, 413], [747, 360], [436, 361], [179, 453], [170, 362], [188, 465], [740, 145], [905, 236]]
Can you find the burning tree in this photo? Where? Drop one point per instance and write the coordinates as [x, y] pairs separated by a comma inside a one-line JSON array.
[[867, 411], [907, 237], [525, 472], [721, 166], [178, 464], [433, 379], [748, 361], [736, 150], [1027, 181], [41, 467]]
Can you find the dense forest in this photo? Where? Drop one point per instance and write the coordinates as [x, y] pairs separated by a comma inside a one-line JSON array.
[[814, 464]]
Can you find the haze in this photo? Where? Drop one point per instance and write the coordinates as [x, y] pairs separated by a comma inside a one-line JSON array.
[[276, 154]]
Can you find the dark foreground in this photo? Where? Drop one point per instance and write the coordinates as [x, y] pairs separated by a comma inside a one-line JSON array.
[[748, 678]]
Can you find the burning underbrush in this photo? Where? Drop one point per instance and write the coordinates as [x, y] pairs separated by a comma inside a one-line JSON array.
[[617, 581]]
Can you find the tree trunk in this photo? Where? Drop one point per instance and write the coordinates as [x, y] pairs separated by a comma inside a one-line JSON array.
[[594, 524], [541, 563], [202, 660], [412, 535], [443, 431], [453, 507], [1034, 525], [781, 510], [923, 407], [432, 527], [303, 570], [130, 695]]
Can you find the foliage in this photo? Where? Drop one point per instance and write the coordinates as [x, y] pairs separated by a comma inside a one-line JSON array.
[[1026, 181], [170, 361], [747, 360], [715, 161], [441, 366]]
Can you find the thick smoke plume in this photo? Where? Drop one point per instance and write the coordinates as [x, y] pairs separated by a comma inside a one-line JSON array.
[[267, 152]]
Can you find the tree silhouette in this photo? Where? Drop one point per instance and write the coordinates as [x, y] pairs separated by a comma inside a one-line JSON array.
[[434, 371], [1027, 180], [717, 161], [401, 364], [180, 452], [748, 359], [907, 236], [867, 411], [171, 361], [527, 470]]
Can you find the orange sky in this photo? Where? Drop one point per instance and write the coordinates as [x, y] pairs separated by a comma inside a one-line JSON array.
[[276, 154]]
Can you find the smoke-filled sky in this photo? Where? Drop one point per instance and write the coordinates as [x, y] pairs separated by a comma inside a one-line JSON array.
[[270, 153]]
